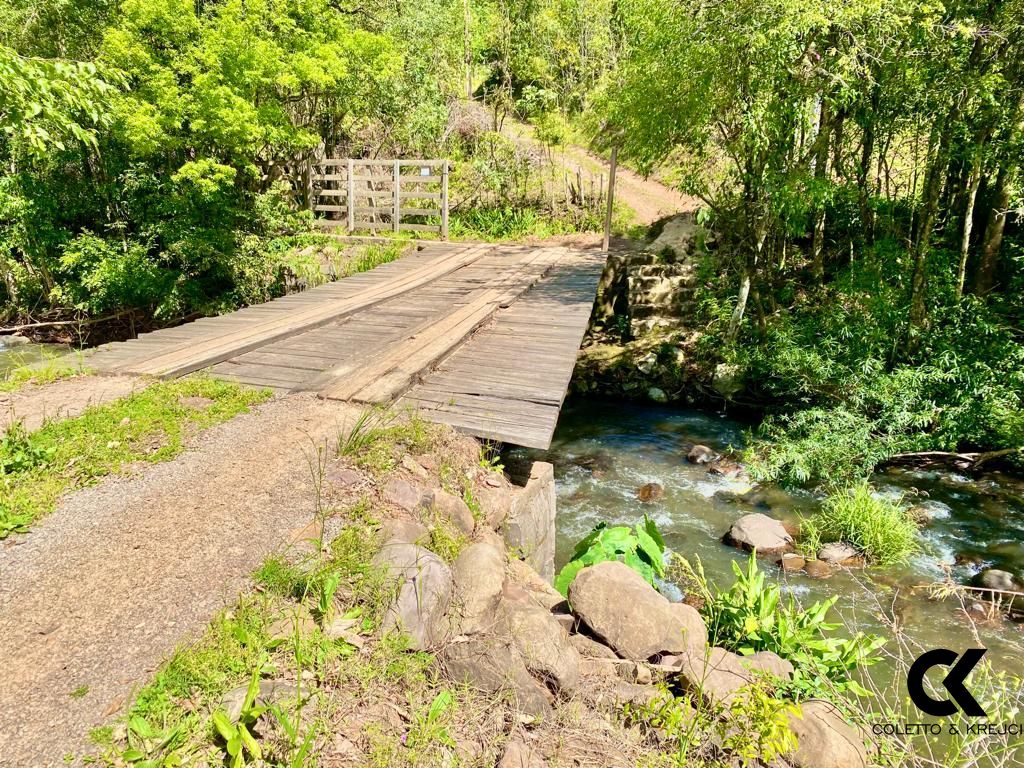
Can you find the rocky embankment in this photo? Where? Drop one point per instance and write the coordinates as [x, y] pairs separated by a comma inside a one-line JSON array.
[[642, 343], [496, 624]]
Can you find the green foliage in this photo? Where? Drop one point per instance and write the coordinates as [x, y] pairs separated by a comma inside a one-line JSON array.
[[752, 616], [378, 436], [511, 223], [239, 743], [883, 530], [45, 104], [641, 548], [20, 454], [846, 409], [753, 729], [150, 425]]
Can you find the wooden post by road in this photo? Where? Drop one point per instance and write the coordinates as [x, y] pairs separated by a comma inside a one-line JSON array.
[[444, 201], [611, 199], [350, 199], [396, 215]]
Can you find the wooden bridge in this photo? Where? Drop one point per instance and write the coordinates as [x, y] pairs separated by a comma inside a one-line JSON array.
[[481, 337]]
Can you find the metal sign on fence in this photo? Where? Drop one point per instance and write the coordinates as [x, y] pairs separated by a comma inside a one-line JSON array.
[[376, 195]]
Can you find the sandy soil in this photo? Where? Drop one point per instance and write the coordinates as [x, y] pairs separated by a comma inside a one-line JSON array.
[[36, 404], [108, 585], [649, 199]]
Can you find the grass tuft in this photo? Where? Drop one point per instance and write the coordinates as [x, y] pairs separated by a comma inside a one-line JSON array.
[[884, 531], [151, 425], [49, 370]]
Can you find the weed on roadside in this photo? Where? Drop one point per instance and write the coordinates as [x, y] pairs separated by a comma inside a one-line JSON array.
[[150, 425], [379, 437], [44, 372]]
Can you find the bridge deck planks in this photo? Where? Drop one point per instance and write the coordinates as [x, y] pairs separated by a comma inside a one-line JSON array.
[[508, 382], [487, 345]]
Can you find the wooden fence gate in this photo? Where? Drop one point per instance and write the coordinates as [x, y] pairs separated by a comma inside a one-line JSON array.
[[379, 195]]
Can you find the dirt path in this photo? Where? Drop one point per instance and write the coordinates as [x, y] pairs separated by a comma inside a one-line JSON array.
[[108, 585], [649, 199], [35, 404]]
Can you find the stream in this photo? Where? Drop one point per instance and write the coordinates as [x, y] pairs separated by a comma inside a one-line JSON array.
[[15, 355], [604, 451]]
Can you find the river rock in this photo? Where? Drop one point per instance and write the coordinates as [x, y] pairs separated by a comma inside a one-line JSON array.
[[824, 739], [839, 552], [518, 754], [291, 620], [993, 578], [13, 340], [689, 627], [540, 591], [409, 497], [759, 532], [816, 569], [591, 649], [701, 454], [544, 645], [772, 663], [400, 530], [727, 380], [791, 562], [929, 511], [424, 593], [494, 503], [714, 674], [269, 692], [478, 574], [530, 525], [456, 510], [346, 477], [629, 615], [649, 492], [491, 663], [657, 395]]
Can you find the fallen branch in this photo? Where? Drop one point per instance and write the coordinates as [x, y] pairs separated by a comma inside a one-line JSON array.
[[962, 460], [59, 323]]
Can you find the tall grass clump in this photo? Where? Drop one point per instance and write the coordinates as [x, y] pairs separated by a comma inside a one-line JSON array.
[[881, 529]]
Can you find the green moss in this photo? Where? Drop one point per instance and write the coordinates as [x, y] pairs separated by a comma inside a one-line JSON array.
[[151, 425]]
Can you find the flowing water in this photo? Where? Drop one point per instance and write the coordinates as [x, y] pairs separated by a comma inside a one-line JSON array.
[[15, 355], [604, 451]]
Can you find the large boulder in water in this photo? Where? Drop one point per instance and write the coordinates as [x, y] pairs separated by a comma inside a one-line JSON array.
[[1001, 581], [630, 616], [759, 532]]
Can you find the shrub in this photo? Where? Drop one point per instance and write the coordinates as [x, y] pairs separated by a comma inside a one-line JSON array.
[[751, 616], [881, 529], [641, 548]]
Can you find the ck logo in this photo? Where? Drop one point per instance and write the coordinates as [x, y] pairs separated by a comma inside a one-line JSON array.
[[959, 669]]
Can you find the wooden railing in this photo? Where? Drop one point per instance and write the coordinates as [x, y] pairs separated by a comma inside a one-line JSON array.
[[379, 195]]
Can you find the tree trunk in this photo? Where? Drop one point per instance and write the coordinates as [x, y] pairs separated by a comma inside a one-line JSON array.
[[973, 182], [867, 152], [934, 176], [992, 240], [821, 146]]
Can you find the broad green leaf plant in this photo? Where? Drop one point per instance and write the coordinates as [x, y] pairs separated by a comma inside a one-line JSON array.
[[641, 548]]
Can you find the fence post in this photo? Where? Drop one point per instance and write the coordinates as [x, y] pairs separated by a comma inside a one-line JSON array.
[[350, 199], [611, 199], [444, 200], [396, 216]]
